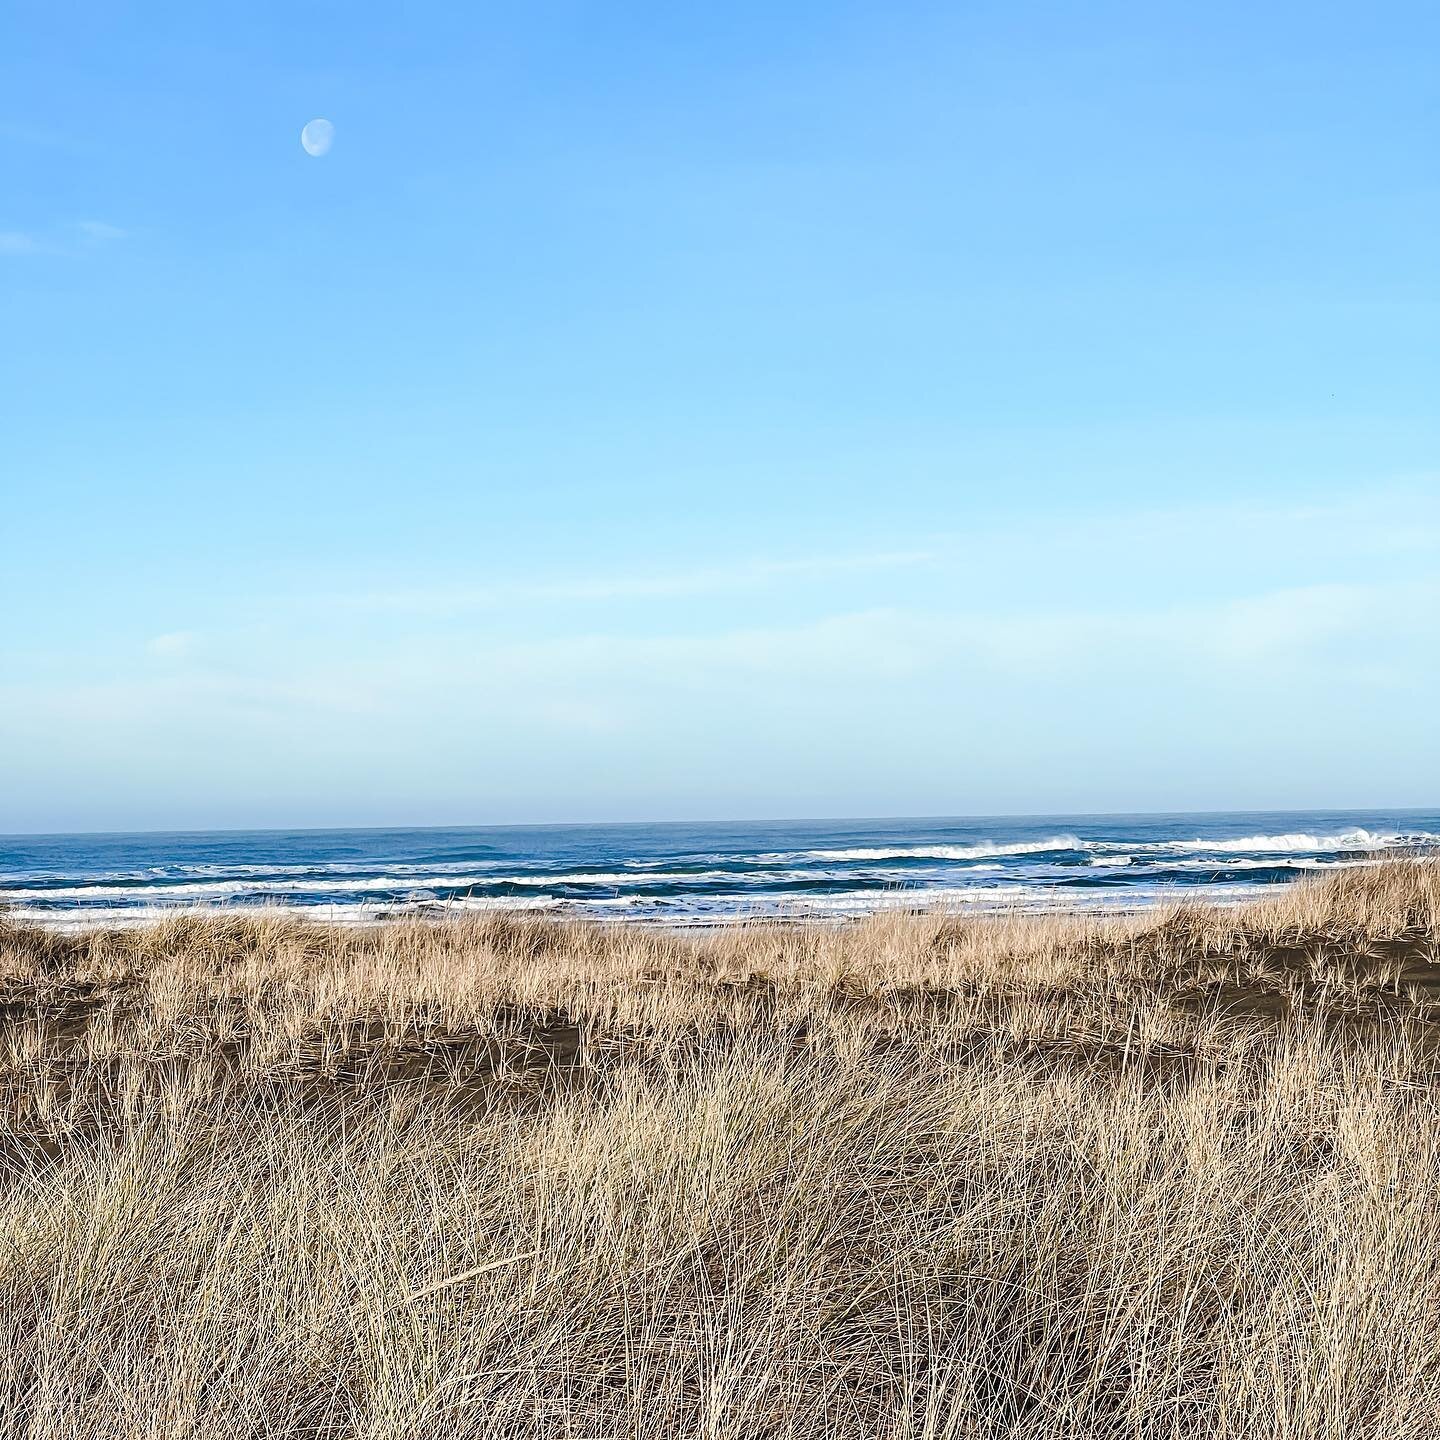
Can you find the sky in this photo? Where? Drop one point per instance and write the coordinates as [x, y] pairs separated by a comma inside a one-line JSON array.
[[763, 410]]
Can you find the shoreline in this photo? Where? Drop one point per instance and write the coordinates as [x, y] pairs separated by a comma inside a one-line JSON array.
[[701, 877], [562, 913]]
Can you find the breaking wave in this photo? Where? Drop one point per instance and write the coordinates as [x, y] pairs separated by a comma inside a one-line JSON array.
[[983, 850], [700, 874]]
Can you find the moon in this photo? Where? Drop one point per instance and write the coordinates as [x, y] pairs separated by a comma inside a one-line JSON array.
[[317, 137]]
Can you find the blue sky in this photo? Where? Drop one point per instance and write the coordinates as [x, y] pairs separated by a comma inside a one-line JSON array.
[[772, 410]]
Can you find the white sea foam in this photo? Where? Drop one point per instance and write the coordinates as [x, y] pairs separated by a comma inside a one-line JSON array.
[[213, 891], [1280, 862], [493, 902], [717, 909], [217, 890], [982, 850], [634, 877], [929, 898], [1299, 842]]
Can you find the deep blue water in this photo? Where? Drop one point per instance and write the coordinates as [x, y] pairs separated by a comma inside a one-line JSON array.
[[688, 873]]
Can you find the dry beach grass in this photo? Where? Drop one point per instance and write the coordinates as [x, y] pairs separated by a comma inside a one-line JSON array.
[[1173, 1175]]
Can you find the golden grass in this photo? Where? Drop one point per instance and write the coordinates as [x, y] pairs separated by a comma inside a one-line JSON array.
[[1174, 1176]]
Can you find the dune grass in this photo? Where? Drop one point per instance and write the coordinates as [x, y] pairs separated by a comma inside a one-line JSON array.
[[1175, 1175]]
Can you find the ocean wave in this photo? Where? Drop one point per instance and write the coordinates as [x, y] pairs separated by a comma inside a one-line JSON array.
[[1277, 861], [981, 850], [331, 913], [1292, 843], [338, 875], [234, 889], [707, 877], [215, 890], [676, 910], [1300, 842], [218, 890], [635, 877], [933, 898], [477, 902]]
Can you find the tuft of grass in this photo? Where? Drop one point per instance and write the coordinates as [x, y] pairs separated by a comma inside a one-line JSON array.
[[1161, 1176]]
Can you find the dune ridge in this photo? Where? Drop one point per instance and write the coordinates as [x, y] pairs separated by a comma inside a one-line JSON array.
[[923, 1175]]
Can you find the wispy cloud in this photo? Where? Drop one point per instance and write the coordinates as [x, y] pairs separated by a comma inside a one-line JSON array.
[[174, 646], [1322, 630], [736, 577], [928, 699], [1035, 560], [1350, 637], [100, 231], [61, 239]]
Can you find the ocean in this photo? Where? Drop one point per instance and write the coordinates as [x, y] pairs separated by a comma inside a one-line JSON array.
[[688, 874]]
